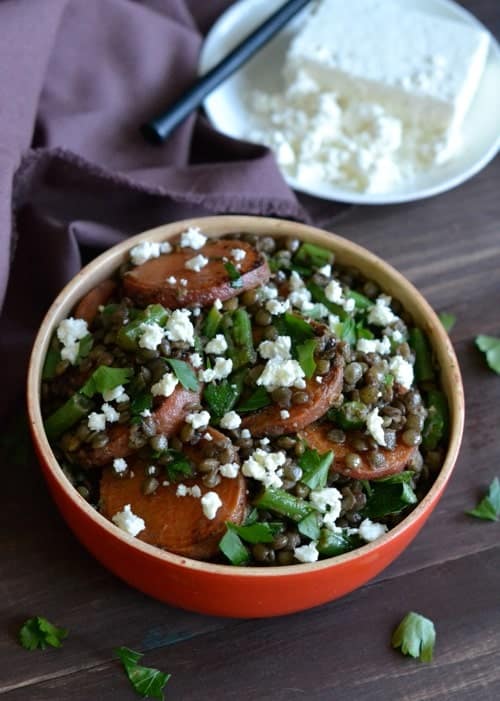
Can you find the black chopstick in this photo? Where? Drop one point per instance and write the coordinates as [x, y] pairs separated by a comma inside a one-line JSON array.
[[159, 128]]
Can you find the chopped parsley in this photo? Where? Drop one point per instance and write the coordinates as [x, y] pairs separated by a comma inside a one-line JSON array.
[[184, 373], [147, 681], [234, 274], [104, 379], [448, 320], [416, 636], [315, 468], [488, 508], [38, 632], [490, 346]]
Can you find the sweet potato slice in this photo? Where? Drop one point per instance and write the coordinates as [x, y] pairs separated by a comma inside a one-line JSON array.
[[316, 436], [148, 283], [88, 306], [268, 421], [168, 415], [173, 522]]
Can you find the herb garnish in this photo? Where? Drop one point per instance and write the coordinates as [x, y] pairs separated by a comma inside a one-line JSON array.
[[220, 397], [488, 508], [389, 495], [491, 348], [448, 320], [416, 636], [179, 465], [305, 354], [184, 373], [258, 400], [232, 547], [315, 468], [38, 632], [104, 379], [147, 681], [234, 274]]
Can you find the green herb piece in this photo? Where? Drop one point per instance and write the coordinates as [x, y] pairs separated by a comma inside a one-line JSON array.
[[234, 274], [389, 495], [309, 526], [347, 329], [388, 379], [315, 468], [232, 547], [184, 373], [491, 347], [362, 332], [257, 532], [416, 636], [52, 360], [84, 347], [76, 408], [448, 320], [437, 422], [38, 632], [179, 466], [128, 336], [220, 397], [142, 401], [104, 379], [258, 400], [331, 544], [351, 415], [252, 517], [283, 503], [310, 255], [147, 681], [295, 327], [305, 356], [488, 508], [212, 322], [318, 295], [424, 369], [362, 303]]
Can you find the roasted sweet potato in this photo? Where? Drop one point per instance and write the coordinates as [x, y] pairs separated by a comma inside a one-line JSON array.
[[316, 436], [149, 283], [88, 306]]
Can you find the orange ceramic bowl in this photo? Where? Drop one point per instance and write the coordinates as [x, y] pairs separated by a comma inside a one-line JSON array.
[[222, 589]]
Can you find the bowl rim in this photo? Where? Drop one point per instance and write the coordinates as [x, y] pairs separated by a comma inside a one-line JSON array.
[[260, 226]]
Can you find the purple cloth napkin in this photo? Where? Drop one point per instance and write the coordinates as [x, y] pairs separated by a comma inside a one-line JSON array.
[[77, 77]]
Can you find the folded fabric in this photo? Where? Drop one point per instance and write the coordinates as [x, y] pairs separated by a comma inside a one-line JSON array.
[[76, 79]]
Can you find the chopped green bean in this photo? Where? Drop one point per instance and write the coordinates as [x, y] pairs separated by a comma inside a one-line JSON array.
[[284, 503], [330, 543], [76, 408], [310, 255], [424, 369], [212, 323]]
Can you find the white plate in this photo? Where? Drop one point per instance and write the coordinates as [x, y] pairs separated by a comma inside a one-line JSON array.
[[226, 108]]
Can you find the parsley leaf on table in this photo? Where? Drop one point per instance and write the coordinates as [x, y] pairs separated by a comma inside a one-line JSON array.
[[488, 508], [491, 348], [448, 320], [416, 636], [39, 632], [147, 681]]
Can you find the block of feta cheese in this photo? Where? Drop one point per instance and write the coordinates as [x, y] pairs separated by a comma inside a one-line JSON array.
[[419, 66]]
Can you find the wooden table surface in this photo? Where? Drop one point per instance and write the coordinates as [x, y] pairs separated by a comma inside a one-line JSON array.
[[449, 247]]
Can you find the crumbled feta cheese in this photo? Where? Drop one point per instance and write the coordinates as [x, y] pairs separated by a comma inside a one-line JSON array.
[[327, 499], [183, 282], [229, 470], [161, 441], [334, 293], [199, 419], [96, 422], [375, 426], [69, 332], [402, 371], [295, 282], [268, 292], [165, 247], [265, 441], [349, 304], [196, 263], [326, 270], [151, 470], [306, 553], [284, 414], [181, 490], [196, 360], [151, 336], [110, 413], [265, 467], [301, 299], [369, 530], [281, 373], [396, 335], [333, 321], [280, 348], [196, 311], [195, 491], [184, 491], [238, 254], [381, 314], [245, 433], [165, 386], [117, 393], [128, 521], [179, 327], [369, 345], [144, 251], [216, 345], [207, 436], [119, 466], [319, 379], [218, 304], [274, 306], [145, 413], [230, 420], [172, 280], [222, 368], [210, 503], [193, 238]]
